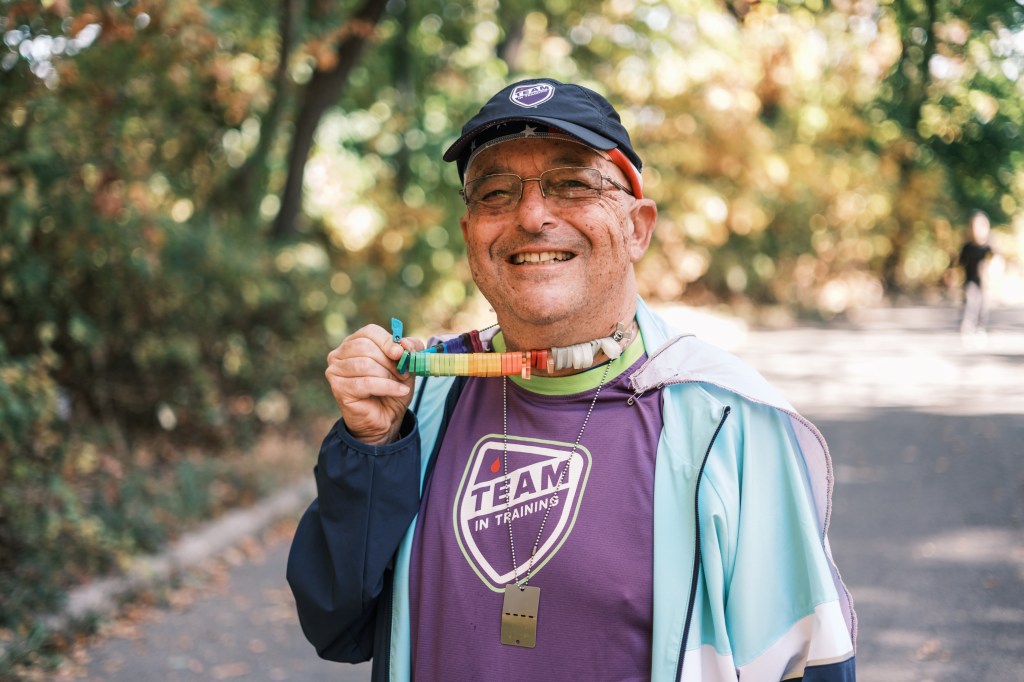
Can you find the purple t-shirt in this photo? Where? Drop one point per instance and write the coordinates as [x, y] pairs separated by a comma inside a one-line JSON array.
[[594, 563]]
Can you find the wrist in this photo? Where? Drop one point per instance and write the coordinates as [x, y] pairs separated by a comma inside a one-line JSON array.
[[376, 439]]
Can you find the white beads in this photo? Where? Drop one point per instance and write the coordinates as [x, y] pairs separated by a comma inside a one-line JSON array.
[[610, 347], [581, 355]]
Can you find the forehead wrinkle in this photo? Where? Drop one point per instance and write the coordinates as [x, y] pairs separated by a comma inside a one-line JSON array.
[[563, 152], [492, 168], [571, 160]]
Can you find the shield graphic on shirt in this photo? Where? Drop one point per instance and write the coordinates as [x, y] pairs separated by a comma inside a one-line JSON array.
[[537, 478]]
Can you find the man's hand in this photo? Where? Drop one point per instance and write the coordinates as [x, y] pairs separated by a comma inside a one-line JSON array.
[[364, 378]]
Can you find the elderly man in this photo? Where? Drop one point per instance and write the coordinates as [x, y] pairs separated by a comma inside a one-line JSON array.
[[579, 493]]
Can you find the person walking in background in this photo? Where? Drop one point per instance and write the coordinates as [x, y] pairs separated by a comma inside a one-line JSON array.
[[974, 259], [579, 492]]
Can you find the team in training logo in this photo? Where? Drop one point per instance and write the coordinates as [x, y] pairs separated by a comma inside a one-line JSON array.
[[485, 505], [532, 95]]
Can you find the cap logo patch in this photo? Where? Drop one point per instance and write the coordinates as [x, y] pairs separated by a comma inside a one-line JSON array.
[[532, 95]]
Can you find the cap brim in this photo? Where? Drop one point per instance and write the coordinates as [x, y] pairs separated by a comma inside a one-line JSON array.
[[585, 135]]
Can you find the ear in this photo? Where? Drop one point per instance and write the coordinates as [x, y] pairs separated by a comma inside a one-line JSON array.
[[644, 216], [464, 224]]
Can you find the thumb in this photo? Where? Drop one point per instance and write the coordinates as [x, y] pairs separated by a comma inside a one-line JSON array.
[[413, 344]]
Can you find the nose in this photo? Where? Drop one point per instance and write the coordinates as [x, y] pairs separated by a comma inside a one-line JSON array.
[[533, 208]]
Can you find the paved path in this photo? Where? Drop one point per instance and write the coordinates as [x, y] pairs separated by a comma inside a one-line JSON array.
[[237, 624], [927, 436]]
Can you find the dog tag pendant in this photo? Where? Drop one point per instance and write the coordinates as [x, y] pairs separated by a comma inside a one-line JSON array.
[[519, 616]]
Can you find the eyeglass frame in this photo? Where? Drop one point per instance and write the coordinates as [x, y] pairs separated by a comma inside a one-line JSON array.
[[540, 184]]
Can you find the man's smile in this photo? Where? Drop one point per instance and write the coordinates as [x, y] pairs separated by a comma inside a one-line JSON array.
[[540, 257]]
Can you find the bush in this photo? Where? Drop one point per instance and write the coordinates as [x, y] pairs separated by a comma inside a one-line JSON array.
[[41, 540], [201, 337], [71, 509], [148, 329]]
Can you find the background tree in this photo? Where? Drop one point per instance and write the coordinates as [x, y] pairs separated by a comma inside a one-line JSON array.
[[953, 107], [333, 65]]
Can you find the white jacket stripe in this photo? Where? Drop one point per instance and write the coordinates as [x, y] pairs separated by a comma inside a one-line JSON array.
[[818, 639], [708, 665]]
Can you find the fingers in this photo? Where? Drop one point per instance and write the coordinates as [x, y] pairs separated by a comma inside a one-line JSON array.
[[374, 343], [371, 341], [350, 390], [365, 365], [364, 379]]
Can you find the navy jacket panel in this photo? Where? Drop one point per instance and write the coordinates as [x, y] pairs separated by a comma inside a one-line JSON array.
[[842, 671], [367, 496]]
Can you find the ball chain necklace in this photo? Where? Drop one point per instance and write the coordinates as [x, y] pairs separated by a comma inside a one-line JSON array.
[[521, 603], [466, 355]]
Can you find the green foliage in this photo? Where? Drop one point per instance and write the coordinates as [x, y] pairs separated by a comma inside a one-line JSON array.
[[142, 323], [153, 301], [953, 48], [768, 129], [778, 141], [40, 537], [952, 104], [70, 509]]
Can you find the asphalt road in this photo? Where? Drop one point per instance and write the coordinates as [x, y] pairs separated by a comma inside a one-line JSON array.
[[927, 438]]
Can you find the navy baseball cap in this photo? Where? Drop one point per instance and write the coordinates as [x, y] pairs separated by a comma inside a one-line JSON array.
[[572, 109]]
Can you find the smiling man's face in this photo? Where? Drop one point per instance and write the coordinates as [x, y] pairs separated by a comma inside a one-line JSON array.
[[556, 274]]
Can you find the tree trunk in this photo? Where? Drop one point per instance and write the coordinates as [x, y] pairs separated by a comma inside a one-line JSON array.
[[405, 85], [916, 94], [322, 91], [248, 184], [508, 49]]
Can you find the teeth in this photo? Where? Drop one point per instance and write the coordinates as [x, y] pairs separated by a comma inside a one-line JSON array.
[[542, 257]]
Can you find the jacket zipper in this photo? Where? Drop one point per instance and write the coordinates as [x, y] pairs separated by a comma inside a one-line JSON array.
[[386, 677], [671, 381], [696, 549]]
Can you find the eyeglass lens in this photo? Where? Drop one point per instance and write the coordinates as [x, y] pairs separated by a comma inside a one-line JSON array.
[[504, 190]]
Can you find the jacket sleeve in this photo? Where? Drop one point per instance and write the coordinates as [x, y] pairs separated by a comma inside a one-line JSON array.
[[769, 589], [367, 496]]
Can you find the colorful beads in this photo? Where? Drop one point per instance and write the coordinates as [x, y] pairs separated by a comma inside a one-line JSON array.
[[431, 363], [464, 356]]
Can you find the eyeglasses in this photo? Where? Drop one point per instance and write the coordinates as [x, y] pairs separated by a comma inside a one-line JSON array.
[[502, 192]]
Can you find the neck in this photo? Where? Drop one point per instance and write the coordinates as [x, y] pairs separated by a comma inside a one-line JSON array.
[[623, 332], [524, 335]]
